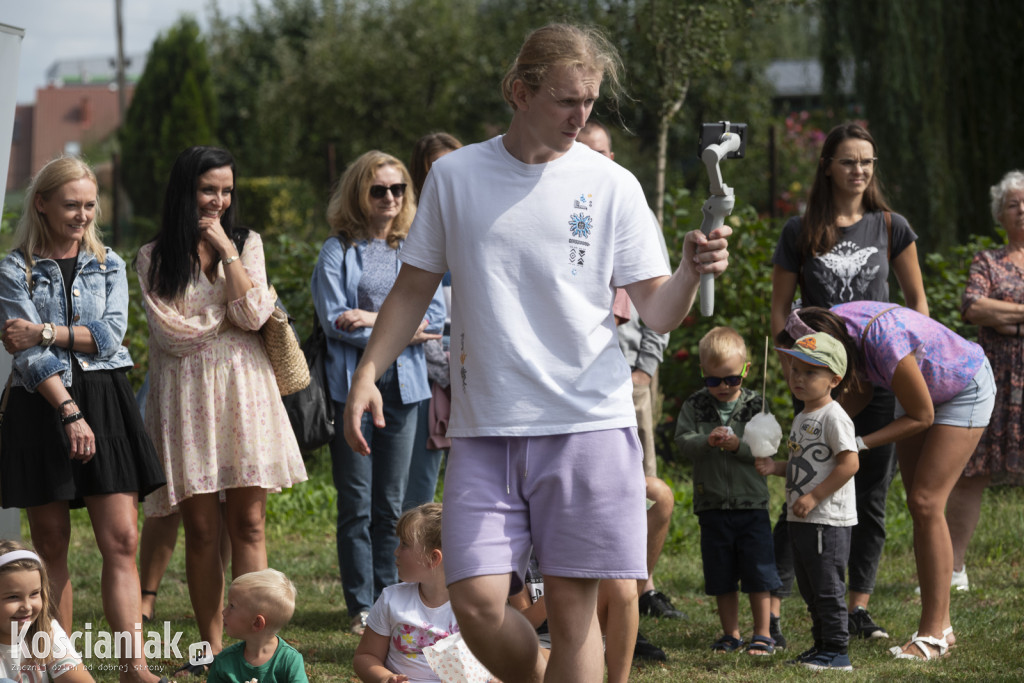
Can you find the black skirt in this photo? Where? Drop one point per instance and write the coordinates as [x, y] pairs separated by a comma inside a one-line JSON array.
[[35, 463]]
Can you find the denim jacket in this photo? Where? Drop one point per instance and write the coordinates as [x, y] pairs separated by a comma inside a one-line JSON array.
[[335, 287], [99, 301]]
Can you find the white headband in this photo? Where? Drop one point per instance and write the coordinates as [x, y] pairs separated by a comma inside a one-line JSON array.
[[16, 555]]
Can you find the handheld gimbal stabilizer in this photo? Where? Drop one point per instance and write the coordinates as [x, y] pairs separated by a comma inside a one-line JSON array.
[[718, 141]]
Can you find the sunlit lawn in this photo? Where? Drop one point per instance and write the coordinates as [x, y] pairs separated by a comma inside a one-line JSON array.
[[988, 619]]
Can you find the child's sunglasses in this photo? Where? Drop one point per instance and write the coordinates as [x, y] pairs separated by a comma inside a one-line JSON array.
[[378, 191], [730, 381]]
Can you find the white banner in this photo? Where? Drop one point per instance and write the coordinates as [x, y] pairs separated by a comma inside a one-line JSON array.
[[10, 58]]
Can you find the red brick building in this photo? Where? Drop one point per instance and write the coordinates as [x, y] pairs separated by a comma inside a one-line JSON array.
[[78, 108]]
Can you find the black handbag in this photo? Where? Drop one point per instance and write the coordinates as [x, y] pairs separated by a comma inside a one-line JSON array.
[[311, 410]]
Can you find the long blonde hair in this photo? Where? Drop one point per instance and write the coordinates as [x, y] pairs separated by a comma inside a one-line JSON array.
[[47, 612], [555, 45], [34, 234], [348, 211]]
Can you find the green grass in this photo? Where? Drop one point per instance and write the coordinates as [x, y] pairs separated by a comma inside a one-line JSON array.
[[988, 619]]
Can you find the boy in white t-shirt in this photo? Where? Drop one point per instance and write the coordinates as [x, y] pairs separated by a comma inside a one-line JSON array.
[[820, 494], [537, 232]]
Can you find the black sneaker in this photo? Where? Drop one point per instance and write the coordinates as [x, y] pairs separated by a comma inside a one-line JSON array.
[[804, 656], [656, 604], [646, 650], [775, 631], [863, 626], [837, 661], [543, 635]]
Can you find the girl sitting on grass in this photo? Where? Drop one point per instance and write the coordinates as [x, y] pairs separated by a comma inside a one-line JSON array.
[[411, 615]]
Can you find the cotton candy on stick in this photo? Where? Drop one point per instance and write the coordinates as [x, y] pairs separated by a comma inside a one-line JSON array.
[[763, 434]]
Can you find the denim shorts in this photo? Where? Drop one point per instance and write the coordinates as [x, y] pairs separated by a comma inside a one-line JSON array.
[[578, 499], [737, 545], [972, 407]]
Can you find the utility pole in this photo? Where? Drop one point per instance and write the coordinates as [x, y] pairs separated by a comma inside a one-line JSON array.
[[119, 66]]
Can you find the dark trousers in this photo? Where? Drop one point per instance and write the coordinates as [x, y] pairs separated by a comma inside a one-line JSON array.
[[820, 554], [872, 481]]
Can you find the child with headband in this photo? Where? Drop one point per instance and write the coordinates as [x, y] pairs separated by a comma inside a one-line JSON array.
[[25, 611]]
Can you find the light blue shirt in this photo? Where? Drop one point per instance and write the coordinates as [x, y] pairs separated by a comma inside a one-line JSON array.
[[335, 286]]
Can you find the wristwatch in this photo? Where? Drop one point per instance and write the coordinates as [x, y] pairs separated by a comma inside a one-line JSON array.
[[48, 336]]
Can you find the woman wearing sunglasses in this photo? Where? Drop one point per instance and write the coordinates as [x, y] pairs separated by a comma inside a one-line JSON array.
[[842, 249], [370, 213]]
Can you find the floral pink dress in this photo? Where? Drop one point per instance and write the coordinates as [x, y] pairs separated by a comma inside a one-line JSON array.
[[214, 412]]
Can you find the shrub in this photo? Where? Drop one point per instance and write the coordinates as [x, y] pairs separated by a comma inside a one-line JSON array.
[[282, 206]]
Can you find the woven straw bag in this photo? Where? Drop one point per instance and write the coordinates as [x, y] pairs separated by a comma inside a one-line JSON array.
[[283, 349]]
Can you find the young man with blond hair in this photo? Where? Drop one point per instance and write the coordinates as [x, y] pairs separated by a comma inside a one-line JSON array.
[[537, 233]]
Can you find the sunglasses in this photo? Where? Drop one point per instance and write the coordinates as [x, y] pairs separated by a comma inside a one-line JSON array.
[[379, 191], [730, 381]]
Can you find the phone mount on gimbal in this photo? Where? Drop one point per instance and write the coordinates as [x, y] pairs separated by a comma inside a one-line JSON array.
[[718, 141]]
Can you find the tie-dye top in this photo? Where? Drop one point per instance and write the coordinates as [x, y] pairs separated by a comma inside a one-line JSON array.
[[947, 360]]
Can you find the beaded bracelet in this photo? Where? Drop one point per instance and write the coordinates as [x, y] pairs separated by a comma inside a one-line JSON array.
[[73, 417]]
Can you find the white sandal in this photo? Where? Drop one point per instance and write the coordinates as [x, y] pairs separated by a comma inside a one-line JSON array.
[[920, 641], [945, 636]]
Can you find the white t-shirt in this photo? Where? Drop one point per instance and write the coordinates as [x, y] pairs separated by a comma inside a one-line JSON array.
[[400, 614], [814, 441], [12, 666], [536, 252]]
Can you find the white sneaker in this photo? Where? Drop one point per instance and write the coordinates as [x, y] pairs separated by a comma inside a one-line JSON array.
[[358, 625], [959, 581]]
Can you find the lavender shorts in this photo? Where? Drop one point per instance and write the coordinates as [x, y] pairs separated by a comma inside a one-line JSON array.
[[577, 499]]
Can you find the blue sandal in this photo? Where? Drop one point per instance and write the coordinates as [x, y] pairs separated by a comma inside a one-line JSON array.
[[727, 644], [761, 646]]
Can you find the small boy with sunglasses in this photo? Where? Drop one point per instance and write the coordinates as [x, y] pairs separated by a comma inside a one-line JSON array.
[[730, 497]]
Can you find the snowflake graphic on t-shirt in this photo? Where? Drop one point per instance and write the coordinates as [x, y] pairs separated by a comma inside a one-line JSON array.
[[580, 225]]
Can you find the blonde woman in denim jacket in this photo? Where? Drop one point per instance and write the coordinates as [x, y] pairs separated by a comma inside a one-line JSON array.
[[72, 435]]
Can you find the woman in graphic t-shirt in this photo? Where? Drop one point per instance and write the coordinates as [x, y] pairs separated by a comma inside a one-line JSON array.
[[842, 250]]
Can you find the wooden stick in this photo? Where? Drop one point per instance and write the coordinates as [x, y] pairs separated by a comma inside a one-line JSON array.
[[764, 386]]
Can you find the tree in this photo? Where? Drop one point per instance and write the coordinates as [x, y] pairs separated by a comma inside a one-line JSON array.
[[671, 48], [298, 78], [934, 77], [173, 108]]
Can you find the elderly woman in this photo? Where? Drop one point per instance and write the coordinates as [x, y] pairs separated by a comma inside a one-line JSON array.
[[72, 435], [994, 300], [214, 410], [944, 397], [370, 213]]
